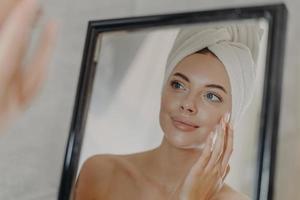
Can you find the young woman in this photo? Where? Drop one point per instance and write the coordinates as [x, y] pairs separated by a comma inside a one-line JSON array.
[[200, 97]]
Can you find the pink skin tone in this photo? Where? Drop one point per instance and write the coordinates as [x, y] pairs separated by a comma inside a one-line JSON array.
[[197, 101], [183, 104], [187, 165], [195, 105], [20, 81], [6, 7]]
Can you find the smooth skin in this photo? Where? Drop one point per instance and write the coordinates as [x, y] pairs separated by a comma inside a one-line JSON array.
[[171, 171], [21, 81], [189, 164]]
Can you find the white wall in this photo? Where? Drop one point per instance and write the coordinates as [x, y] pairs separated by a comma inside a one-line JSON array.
[[32, 151]]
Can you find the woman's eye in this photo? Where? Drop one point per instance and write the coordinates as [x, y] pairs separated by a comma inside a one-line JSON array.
[[177, 85], [213, 97]]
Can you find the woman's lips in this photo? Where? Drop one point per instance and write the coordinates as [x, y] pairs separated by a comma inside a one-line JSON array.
[[184, 125]]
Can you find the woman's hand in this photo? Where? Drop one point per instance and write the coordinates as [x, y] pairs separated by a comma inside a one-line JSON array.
[[207, 175], [20, 81]]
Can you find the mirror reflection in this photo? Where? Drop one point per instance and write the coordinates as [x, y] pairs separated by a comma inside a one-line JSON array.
[[171, 109]]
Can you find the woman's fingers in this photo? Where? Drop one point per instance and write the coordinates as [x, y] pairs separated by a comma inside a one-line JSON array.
[[196, 170], [14, 36], [206, 177], [226, 172], [228, 149], [19, 83], [204, 158], [218, 147], [35, 71]]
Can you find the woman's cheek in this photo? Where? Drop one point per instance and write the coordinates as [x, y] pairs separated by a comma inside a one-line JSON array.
[[209, 118], [170, 102]]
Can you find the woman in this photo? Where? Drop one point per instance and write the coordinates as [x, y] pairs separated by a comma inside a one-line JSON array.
[[200, 99]]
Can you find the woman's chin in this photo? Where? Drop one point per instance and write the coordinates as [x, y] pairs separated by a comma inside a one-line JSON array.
[[193, 146], [183, 143]]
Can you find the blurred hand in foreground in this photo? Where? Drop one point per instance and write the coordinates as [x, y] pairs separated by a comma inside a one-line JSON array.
[[19, 80]]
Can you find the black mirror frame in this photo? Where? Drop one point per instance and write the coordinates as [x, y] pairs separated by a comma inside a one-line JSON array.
[[275, 14]]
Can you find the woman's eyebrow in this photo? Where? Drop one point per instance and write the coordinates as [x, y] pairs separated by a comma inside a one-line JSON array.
[[216, 86], [209, 85], [182, 76]]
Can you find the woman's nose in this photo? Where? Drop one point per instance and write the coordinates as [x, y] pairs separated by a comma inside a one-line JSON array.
[[188, 105]]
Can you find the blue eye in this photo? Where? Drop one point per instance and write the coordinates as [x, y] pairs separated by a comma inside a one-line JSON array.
[[177, 85], [213, 97]]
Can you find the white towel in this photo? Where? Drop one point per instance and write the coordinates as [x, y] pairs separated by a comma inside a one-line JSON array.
[[236, 46]]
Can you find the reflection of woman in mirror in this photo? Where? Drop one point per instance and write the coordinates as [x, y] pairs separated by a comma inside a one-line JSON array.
[[208, 83]]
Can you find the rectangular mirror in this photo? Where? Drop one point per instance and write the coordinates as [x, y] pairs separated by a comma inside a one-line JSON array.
[[133, 115]]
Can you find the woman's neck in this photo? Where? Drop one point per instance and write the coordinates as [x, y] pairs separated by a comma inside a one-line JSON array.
[[169, 165]]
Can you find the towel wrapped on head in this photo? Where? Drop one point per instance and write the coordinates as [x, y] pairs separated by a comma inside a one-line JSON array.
[[235, 45]]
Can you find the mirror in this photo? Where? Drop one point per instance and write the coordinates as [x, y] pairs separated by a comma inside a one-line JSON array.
[[120, 111], [123, 117]]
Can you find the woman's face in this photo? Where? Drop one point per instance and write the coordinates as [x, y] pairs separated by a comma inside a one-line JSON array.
[[195, 97]]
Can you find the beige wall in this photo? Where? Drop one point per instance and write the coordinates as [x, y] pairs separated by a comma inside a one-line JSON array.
[[32, 153]]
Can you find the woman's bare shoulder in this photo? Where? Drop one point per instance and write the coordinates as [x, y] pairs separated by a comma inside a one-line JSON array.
[[103, 161], [105, 166], [228, 193], [100, 166], [107, 161], [99, 172], [94, 176]]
